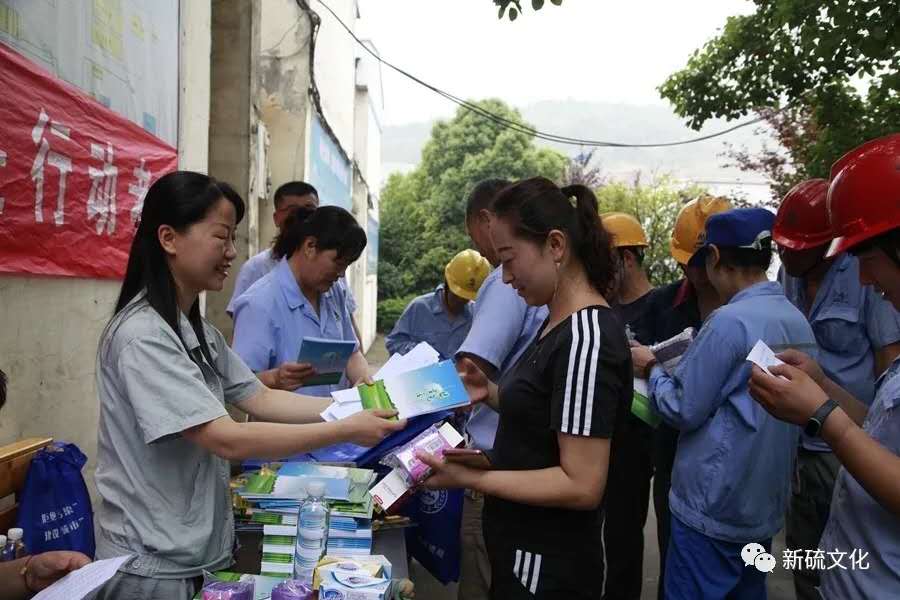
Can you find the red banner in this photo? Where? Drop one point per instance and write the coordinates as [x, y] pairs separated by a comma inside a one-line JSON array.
[[73, 175]]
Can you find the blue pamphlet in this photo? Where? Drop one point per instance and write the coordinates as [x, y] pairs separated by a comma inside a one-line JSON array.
[[328, 357]]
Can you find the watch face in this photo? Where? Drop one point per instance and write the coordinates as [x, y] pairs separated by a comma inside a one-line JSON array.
[[812, 427]]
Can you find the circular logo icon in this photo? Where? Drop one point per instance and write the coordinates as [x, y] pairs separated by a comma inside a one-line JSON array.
[[333, 595], [433, 501]]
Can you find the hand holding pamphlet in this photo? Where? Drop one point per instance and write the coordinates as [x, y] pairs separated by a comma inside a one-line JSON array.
[[427, 390], [329, 358]]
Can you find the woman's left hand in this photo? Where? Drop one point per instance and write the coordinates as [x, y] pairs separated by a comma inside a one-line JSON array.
[[46, 568], [642, 360], [444, 475]]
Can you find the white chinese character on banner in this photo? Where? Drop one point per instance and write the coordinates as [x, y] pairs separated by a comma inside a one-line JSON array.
[[139, 190], [47, 156], [2, 164], [102, 197]]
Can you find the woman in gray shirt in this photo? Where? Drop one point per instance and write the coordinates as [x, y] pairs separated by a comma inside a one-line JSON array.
[[164, 376]]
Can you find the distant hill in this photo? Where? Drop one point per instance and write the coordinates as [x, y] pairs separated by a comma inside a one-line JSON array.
[[402, 145]]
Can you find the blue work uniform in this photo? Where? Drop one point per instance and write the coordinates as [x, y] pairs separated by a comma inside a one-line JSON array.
[[426, 319], [851, 322], [273, 316], [863, 530], [259, 265], [731, 478], [503, 326]]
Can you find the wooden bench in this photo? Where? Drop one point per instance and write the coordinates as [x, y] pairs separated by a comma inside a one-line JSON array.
[[15, 459]]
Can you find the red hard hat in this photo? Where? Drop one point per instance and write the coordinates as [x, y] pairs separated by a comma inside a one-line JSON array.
[[802, 219], [864, 196]]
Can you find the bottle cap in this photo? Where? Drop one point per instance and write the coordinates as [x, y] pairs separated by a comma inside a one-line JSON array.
[[16, 534], [315, 488]]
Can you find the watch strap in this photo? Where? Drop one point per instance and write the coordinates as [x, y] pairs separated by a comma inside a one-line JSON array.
[[817, 420]]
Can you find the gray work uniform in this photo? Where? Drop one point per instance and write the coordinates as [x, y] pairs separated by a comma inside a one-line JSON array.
[[164, 499]]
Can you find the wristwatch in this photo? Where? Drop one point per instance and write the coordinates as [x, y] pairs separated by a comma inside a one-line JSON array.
[[817, 420]]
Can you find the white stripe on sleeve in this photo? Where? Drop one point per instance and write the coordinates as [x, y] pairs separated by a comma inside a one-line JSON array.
[[594, 359], [567, 396]]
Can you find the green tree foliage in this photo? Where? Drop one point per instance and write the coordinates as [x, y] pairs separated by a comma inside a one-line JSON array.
[[423, 211], [513, 8], [655, 205], [814, 58], [390, 310]]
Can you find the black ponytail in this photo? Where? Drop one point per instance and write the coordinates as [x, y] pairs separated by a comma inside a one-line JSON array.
[[595, 246], [537, 206], [332, 227]]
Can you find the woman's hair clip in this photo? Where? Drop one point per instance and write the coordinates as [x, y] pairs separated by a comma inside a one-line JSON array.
[[573, 201]]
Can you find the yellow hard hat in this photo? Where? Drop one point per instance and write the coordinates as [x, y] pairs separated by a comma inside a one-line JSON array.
[[625, 229], [690, 224], [466, 272]]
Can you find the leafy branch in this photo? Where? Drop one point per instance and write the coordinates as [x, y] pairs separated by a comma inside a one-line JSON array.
[[513, 8]]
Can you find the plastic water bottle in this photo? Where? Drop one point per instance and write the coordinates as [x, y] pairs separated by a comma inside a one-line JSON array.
[[14, 539], [312, 532], [2, 548]]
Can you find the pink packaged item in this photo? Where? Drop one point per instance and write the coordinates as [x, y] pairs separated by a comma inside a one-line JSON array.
[[433, 440]]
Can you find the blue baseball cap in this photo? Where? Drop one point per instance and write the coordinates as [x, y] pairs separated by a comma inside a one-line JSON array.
[[736, 228]]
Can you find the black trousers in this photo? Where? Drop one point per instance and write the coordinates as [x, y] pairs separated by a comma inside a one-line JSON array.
[[627, 501], [520, 571], [665, 442]]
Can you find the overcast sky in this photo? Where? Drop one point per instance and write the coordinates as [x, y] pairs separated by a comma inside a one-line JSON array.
[[595, 50]]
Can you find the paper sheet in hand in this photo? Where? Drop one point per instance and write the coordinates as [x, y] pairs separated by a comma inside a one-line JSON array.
[[348, 402], [420, 356], [80, 583], [763, 357]]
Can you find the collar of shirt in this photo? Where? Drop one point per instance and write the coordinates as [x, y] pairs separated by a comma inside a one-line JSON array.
[[795, 287], [291, 289], [763, 288], [685, 292], [437, 307], [841, 264], [187, 332], [436, 302]]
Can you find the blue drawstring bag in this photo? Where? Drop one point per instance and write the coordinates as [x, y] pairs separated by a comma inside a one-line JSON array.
[[434, 541], [55, 507]]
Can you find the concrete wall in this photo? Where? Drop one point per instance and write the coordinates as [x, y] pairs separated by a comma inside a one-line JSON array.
[[49, 327], [336, 68], [233, 128], [283, 97]]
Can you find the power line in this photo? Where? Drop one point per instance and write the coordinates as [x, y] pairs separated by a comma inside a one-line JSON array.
[[521, 127]]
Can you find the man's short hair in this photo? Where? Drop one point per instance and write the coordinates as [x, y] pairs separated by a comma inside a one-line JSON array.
[[636, 251], [294, 188], [481, 197]]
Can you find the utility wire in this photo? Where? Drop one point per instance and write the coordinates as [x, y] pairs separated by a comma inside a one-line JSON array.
[[521, 127]]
